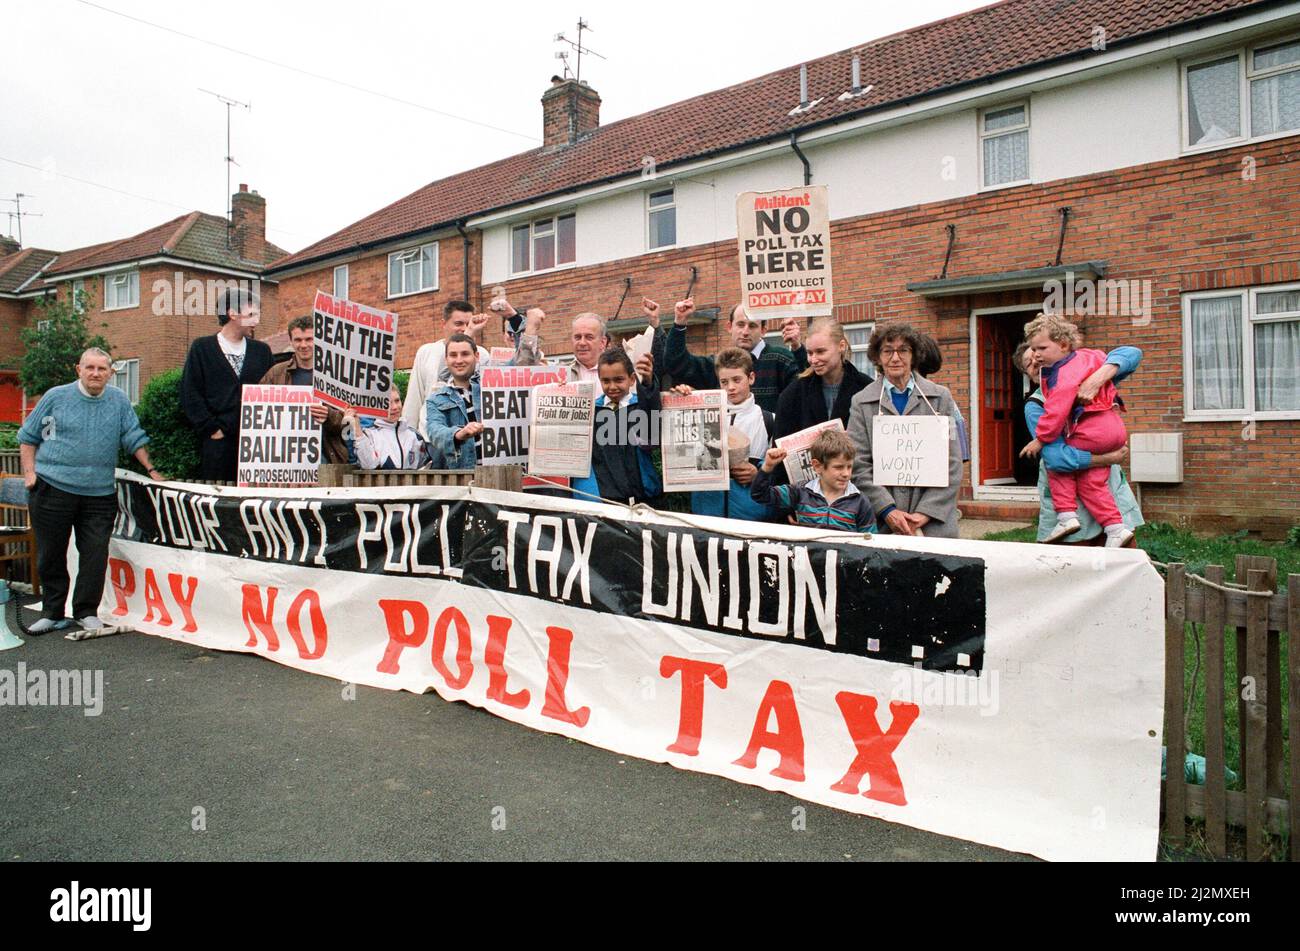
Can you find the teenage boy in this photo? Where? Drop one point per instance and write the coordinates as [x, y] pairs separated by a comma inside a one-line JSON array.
[[216, 369], [830, 499], [428, 371], [735, 369], [627, 412], [452, 411]]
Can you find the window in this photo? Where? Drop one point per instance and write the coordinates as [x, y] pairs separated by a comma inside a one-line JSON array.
[[1242, 353], [543, 244], [42, 326], [661, 215], [411, 271], [857, 335], [1004, 145], [1247, 94], [126, 377], [341, 282], [122, 290], [76, 295]]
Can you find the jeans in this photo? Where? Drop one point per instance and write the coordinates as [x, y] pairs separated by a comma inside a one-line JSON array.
[[55, 515]]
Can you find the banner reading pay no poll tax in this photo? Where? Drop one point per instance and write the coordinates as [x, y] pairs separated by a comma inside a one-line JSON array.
[[1006, 694]]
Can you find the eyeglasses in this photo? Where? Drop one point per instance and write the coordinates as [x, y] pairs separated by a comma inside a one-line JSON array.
[[900, 352]]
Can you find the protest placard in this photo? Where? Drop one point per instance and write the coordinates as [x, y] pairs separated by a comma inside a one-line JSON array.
[[354, 355], [693, 442], [910, 450], [279, 442], [560, 443], [784, 238], [506, 396], [500, 356], [798, 464]]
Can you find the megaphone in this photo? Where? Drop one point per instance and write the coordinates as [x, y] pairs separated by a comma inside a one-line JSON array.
[[8, 639]]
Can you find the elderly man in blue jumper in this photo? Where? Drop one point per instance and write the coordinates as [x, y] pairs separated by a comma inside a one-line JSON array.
[[68, 447]]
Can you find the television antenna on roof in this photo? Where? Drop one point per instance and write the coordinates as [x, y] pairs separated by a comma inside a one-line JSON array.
[[230, 159], [18, 214], [564, 54]]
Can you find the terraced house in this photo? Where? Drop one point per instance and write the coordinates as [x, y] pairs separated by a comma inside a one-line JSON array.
[[1131, 161]]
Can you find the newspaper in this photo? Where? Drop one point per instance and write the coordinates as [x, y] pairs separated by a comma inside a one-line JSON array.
[[798, 464], [693, 442], [562, 418], [638, 346]]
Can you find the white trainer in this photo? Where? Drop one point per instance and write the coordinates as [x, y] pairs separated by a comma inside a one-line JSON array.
[[91, 624], [1120, 539], [1062, 530], [45, 625]]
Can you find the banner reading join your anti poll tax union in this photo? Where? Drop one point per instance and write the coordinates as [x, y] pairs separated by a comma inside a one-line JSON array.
[[1000, 693]]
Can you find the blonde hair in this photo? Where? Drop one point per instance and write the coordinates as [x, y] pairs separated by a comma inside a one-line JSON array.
[[830, 326], [1057, 328]]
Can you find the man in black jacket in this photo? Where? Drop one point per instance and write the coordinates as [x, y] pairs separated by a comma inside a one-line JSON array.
[[215, 371]]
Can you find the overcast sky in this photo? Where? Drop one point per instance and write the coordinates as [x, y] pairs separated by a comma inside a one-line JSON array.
[[90, 96]]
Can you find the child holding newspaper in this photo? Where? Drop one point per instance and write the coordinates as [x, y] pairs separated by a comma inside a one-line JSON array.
[[830, 500], [735, 370], [626, 422]]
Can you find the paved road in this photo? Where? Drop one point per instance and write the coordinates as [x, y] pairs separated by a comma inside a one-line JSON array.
[[284, 768]]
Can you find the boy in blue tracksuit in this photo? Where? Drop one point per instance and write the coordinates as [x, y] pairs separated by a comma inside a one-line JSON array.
[[452, 415], [625, 433], [735, 371], [830, 500]]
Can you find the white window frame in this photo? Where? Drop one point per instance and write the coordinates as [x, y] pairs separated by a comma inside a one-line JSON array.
[[554, 219], [344, 269], [1245, 55], [132, 370], [869, 326], [418, 251], [651, 210], [133, 287], [1248, 297], [42, 325], [77, 287], [983, 135]]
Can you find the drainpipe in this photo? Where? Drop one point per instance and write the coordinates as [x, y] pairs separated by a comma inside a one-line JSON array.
[[807, 168], [464, 237]]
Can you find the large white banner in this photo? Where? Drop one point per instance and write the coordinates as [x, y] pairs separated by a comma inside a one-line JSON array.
[[1006, 694]]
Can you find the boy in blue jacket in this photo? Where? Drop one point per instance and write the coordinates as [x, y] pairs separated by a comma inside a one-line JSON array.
[[452, 415]]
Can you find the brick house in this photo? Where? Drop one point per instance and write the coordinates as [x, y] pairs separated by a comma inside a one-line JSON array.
[[1133, 162], [149, 294]]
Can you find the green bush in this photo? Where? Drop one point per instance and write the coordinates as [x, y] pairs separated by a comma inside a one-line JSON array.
[[173, 447], [8, 436], [402, 378], [50, 356]]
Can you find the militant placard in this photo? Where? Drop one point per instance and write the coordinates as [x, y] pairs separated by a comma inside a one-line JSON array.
[[560, 444], [507, 411], [279, 442], [693, 442], [355, 345], [784, 239]]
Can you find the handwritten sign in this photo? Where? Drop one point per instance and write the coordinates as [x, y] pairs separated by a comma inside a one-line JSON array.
[[910, 450]]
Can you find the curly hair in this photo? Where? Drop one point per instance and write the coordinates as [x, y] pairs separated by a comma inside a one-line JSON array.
[[923, 345], [1057, 328]]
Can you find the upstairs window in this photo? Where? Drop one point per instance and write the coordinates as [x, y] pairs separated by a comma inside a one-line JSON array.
[[1004, 145], [411, 271], [122, 290], [1246, 94], [543, 244], [661, 217]]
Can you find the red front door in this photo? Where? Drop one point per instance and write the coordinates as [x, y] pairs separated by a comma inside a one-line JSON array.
[[996, 379], [11, 398]]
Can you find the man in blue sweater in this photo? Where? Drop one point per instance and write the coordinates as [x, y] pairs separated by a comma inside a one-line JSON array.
[[68, 448]]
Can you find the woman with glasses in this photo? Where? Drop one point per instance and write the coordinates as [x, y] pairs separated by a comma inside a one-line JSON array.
[[900, 390]]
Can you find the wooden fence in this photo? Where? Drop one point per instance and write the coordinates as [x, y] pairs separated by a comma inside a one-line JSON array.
[[1257, 620]]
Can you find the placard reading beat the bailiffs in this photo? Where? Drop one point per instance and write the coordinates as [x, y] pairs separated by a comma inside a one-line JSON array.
[[354, 355], [506, 411], [279, 442], [784, 239], [910, 450]]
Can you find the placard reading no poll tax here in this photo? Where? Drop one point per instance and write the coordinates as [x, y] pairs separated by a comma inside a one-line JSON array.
[[910, 450]]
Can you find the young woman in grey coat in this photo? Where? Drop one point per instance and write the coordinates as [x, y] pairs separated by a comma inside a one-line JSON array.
[[898, 391]]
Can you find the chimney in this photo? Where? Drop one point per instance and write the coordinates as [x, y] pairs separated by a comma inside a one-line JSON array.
[[248, 224], [570, 110], [9, 246]]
